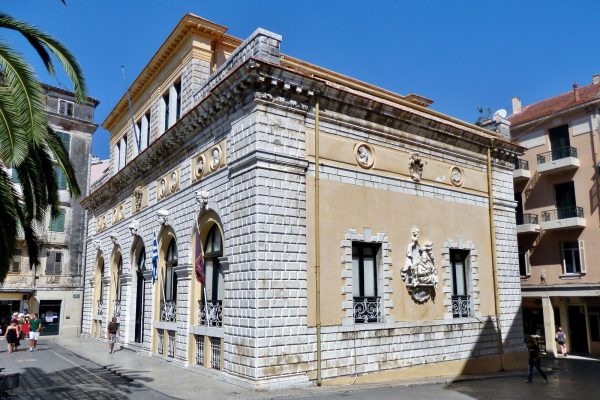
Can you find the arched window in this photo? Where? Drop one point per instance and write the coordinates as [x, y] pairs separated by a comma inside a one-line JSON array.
[[141, 260], [170, 276], [213, 249], [101, 267], [118, 288]]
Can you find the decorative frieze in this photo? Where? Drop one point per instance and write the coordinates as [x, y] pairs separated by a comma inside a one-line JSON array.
[[209, 161], [168, 184], [118, 214], [364, 154], [139, 199], [101, 223], [415, 166]]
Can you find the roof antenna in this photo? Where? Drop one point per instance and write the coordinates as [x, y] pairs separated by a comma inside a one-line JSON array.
[[135, 130]]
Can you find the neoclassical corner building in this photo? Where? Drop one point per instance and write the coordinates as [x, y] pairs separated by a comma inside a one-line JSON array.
[[349, 233]]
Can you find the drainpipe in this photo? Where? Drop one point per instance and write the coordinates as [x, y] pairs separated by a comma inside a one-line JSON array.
[[494, 255], [317, 245]]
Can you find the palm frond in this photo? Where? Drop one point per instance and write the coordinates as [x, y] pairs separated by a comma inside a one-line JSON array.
[[13, 139], [64, 55], [8, 223], [27, 94]]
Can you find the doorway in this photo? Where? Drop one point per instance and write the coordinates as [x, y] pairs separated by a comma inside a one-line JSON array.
[[139, 309], [559, 142], [50, 315], [566, 207], [577, 330]]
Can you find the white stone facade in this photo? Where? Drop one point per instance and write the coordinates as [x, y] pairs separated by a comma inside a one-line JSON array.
[[262, 116]]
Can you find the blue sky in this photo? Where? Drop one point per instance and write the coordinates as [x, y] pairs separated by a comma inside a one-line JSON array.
[[461, 54]]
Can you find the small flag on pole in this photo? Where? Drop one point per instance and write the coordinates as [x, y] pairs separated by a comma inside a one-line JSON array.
[[154, 260], [199, 263]]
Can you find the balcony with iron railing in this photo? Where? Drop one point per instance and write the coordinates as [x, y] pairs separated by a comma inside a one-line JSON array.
[[210, 313], [462, 306], [563, 218], [527, 223], [367, 309], [521, 171], [557, 160], [168, 311]]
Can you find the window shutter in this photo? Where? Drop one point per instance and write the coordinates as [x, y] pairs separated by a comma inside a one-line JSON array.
[[15, 176], [61, 179], [527, 265], [581, 256], [562, 257], [58, 223]]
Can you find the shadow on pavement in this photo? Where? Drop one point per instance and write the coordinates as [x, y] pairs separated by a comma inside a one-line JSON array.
[[73, 383]]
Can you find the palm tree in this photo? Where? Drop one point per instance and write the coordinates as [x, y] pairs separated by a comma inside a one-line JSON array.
[[27, 143]]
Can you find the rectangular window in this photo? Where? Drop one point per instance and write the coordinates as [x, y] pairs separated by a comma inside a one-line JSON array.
[[65, 107], [573, 257], [15, 267], [58, 223], [461, 288], [566, 206], [65, 138], [53, 262], [199, 350], [215, 353], [165, 99], [367, 302], [524, 269], [146, 131], [170, 284], [559, 141], [177, 86], [61, 179]]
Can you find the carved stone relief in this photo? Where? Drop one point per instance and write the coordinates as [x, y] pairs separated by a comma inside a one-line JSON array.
[[215, 158], [415, 166], [457, 176], [364, 154], [101, 223], [419, 272], [138, 198], [162, 188], [118, 213], [174, 181], [200, 165]]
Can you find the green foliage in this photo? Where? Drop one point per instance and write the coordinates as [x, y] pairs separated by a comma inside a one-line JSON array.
[[27, 144]]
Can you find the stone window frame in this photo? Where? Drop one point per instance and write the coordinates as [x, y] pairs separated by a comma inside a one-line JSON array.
[[460, 244], [385, 260]]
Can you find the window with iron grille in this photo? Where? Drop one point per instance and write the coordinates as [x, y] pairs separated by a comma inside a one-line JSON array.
[[215, 353], [53, 262], [367, 302], [199, 350], [461, 284], [171, 344], [160, 344], [15, 267]]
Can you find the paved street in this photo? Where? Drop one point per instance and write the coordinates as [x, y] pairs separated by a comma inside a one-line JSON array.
[[52, 372], [82, 370]]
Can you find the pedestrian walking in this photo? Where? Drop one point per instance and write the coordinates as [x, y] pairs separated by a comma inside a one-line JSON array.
[[12, 335], [35, 327], [111, 330], [561, 339], [534, 360]]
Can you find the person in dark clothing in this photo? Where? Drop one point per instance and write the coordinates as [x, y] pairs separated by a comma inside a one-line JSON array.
[[534, 360]]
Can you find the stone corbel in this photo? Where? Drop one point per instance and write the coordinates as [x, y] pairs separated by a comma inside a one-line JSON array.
[[163, 216], [202, 197], [114, 237], [134, 226]]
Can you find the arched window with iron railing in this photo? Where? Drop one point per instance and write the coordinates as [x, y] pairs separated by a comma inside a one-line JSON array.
[[212, 297], [168, 308]]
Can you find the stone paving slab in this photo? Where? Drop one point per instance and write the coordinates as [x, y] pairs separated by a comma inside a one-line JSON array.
[[187, 383]]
